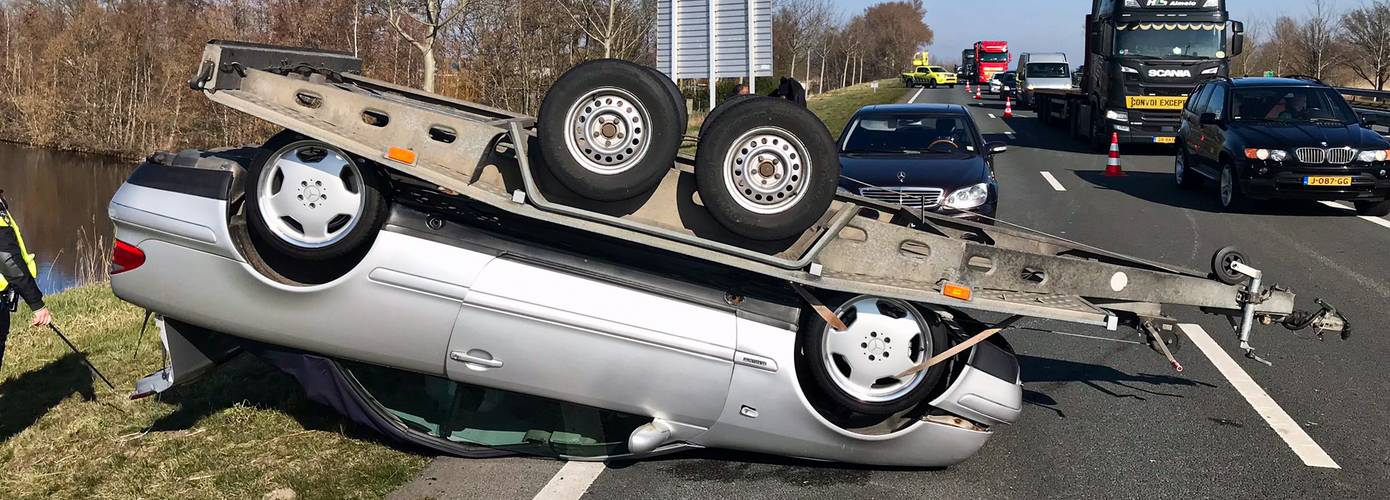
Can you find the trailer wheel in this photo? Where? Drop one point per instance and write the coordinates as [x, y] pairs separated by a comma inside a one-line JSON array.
[[767, 168], [720, 109], [677, 99], [1221, 265], [857, 368], [609, 129], [311, 201]]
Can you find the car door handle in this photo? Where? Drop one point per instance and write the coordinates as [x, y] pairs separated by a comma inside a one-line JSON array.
[[475, 357]]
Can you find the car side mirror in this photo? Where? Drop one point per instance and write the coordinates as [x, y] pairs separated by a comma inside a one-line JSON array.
[[1208, 119], [996, 147]]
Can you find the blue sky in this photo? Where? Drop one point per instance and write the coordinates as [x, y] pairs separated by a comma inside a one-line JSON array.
[[1047, 25]]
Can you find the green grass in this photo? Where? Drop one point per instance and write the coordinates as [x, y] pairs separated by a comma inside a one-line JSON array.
[[241, 432], [834, 107]]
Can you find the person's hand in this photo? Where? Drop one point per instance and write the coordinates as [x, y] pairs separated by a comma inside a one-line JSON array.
[[42, 317]]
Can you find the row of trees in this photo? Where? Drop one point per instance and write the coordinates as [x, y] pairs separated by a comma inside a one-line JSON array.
[[109, 75], [1350, 47], [814, 44]]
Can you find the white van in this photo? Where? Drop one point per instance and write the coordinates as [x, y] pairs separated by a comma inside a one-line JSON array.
[[1041, 71]]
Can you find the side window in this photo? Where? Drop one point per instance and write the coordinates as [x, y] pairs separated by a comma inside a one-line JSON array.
[[1217, 103], [1194, 101]]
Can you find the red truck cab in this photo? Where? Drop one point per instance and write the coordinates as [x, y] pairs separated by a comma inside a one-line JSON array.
[[991, 57]]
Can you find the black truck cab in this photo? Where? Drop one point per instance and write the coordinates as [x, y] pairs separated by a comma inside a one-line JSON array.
[[1143, 57]]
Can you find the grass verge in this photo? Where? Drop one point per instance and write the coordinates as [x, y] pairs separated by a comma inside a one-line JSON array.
[[241, 432], [833, 107]]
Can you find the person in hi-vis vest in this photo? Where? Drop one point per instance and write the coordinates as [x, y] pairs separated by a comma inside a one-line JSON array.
[[17, 278]]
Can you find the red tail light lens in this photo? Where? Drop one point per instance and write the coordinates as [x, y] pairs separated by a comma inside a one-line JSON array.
[[125, 257]]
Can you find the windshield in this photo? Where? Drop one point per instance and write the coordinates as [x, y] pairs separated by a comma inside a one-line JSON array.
[[909, 134], [1290, 104], [1006, 78], [1169, 43], [994, 56], [1047, 70]]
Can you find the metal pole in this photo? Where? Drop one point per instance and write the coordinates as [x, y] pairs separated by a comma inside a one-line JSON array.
[[675, 38], [709, 21], [752, 32], [80, 355]]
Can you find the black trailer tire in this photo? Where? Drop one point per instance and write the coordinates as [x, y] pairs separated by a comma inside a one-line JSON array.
[[677, 99], [720, 109], [796, 174], [832, 361], [342, 193], [609, 129], [1373, 208]]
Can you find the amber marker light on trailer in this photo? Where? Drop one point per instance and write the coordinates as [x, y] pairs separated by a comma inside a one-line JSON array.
[[955, 291], [401, 155]]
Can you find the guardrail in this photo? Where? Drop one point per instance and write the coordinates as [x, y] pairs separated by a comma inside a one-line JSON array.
[[1377, 116]]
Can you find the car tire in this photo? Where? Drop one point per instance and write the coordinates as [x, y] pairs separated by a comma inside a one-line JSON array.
[[313, 202], [1228, 193], [632, 116], [1182, 171], [1373, 208], [796, 175], [932, 84], [951, 85], [839, 361]]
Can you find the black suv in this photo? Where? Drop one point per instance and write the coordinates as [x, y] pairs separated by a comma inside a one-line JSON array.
[[1286, 138]]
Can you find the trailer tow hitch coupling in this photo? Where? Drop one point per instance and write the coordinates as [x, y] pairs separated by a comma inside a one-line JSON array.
[[1326, 319]]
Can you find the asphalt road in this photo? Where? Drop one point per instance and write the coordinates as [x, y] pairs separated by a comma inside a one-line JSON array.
[[1106, 417]]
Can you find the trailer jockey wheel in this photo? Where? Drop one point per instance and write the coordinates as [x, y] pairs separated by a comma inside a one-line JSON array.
[[311, 201], [609, 129], [766, 169], [857, 368], [1221, 265]]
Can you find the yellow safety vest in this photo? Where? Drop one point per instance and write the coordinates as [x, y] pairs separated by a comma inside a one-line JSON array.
[[8, 221]]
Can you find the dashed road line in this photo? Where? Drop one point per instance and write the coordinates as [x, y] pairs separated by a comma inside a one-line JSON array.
[[1293, 435], [571, 482], [1376, 220], [991, 115], [1052, 180], [914, 96]]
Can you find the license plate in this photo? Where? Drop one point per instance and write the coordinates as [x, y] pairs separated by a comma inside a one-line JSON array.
[[1154, 102], [1165, 140], [1327, 180]]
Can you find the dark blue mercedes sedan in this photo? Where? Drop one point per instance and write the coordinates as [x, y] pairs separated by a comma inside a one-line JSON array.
[[921, 156]]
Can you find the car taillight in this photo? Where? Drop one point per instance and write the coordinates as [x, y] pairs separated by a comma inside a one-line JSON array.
[[125, 257]]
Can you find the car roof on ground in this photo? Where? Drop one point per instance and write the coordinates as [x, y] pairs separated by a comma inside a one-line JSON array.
[[954, 109], [1264, 81]]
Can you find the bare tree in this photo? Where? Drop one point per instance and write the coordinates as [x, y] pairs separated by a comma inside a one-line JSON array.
[[796, 24], [430, 18], [619, 26], [1366, 35], [1315, 43]]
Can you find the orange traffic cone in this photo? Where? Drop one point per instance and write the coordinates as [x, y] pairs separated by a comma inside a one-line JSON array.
[[977, 92], [1008, 107], [967, 86], [1112, 165]]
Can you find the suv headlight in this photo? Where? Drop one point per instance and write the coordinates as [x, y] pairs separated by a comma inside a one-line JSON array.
[[1266, 154], [968, 197], [1371, 155], [1119, 116]]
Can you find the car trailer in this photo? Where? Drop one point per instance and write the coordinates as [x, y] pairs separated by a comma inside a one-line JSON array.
[[846, 282]]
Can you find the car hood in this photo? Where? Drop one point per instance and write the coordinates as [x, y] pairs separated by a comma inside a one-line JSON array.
[[1289, 136], [943, 171], [1049, 83]]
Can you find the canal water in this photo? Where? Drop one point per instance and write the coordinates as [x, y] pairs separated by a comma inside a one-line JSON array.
[[59, 199]]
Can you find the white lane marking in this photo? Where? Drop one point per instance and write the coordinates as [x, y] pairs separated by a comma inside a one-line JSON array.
[[1279, 420], [571, 481], [1376, 220], [1052, 180], [991, 115], [914, 96], [1010, 134]]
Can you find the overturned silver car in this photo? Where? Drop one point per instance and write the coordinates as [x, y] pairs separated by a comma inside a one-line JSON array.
[[459, 276]]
